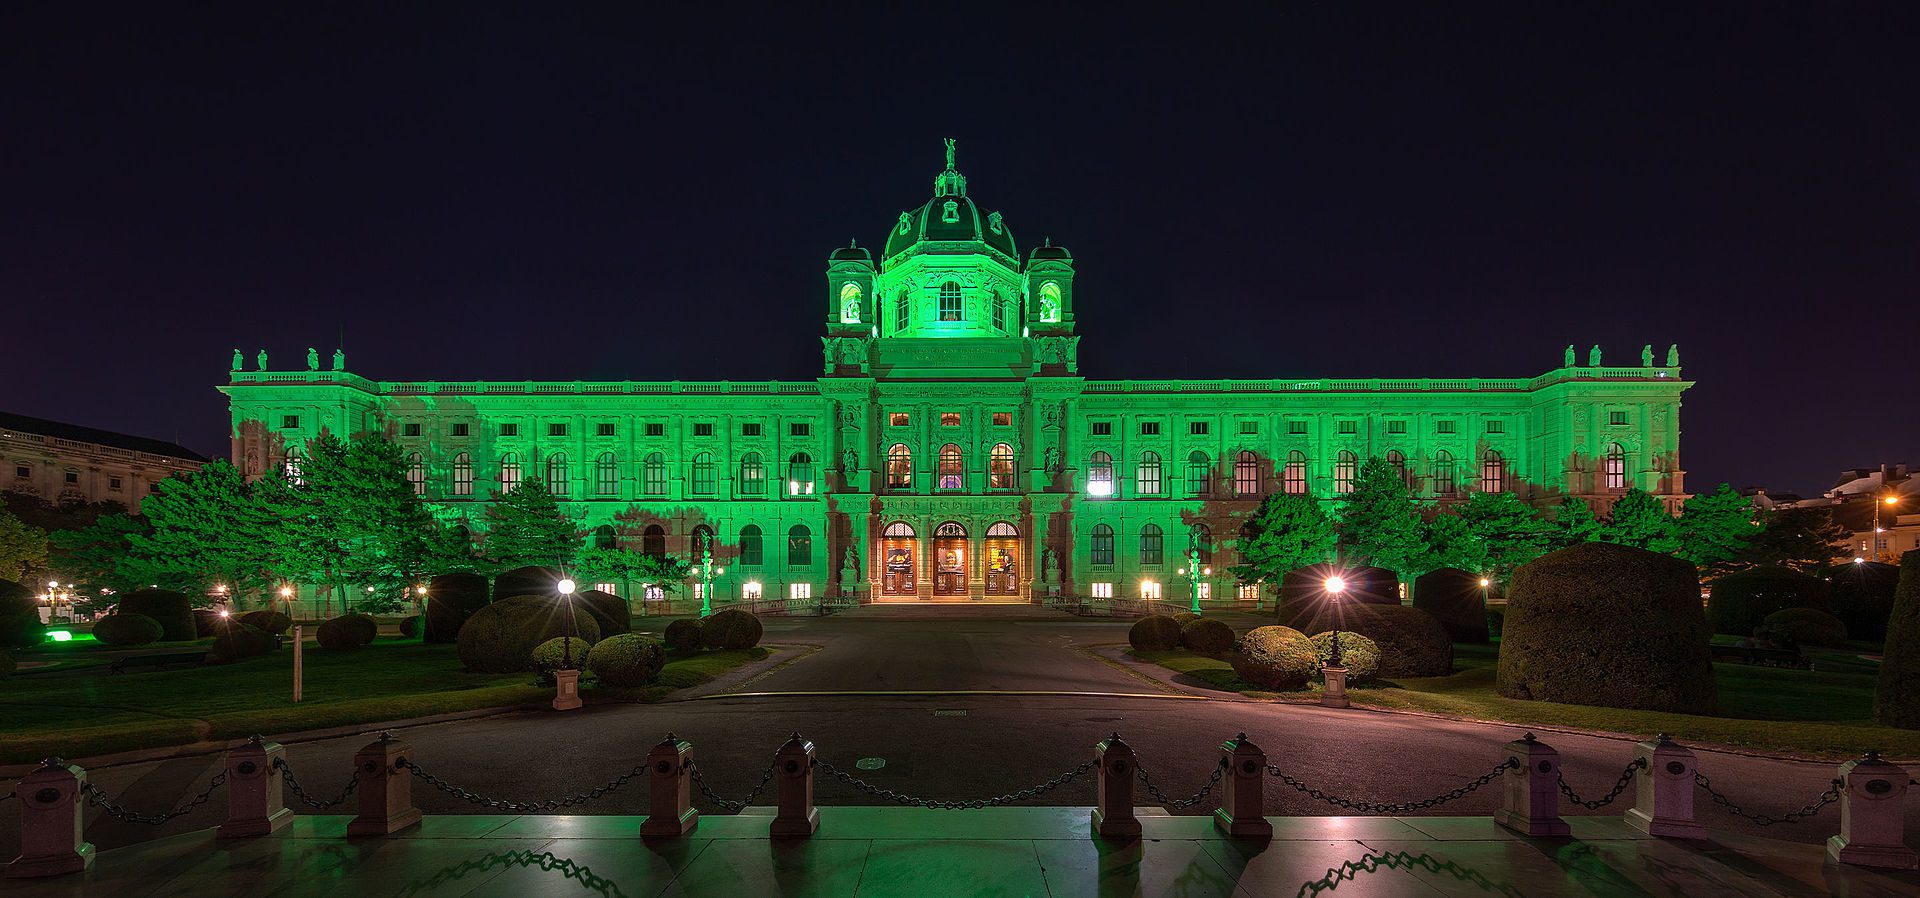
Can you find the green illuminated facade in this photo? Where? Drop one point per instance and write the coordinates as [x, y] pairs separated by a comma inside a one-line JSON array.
[[951, 448]]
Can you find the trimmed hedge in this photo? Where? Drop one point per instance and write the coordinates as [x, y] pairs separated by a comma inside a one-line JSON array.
[[1613, 626], [730, 628], [348, 631], [235, 641], [1154, 633], [1456, 599], [609, 611], [1411, 642], [20, 625], [1804, 627], [1182, 617], [6, 665], [1862, 597], [410, 626], [1206, 636], [267, 621], [683, 635], [1896, 696], [1740, 601], [205, 622], [627, 660], [551, 655], [451, 599], [1358, 654], [127, 629], [525, 581], [1278, 659], [500, 638], [170, 608], [1305, 605]]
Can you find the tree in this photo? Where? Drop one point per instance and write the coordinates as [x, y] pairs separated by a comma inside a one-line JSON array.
[[525, 527], [23, 547], [1492, 533], [1285, 533], [352, 519], [99, 559], [612, 564], [1641, 521], [1804, 539], [1714, 530], [1896, 695], [1577, 522], [1379, 523], [201, 529]]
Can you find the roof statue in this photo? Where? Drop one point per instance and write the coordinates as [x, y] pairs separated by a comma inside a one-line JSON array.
[[1569, 362], [1593, 356], [339, 360], [1646, 356], [238, 360], [261, 359], [313, 359], [1673, 355], [950, 154]]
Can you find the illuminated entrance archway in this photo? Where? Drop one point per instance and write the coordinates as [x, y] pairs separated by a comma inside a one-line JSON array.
[[950, 560], [1003, 560], [898, 575]]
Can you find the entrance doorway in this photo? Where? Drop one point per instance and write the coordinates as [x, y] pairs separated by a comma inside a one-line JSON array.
[[1003, 560], [950, 560], [898, 575]]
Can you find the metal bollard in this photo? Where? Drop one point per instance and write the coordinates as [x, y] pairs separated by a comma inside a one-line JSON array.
[[1113, 809], [1872, 819], [255, 804], [1241, 813], [386, 788], [1532, 803], [51, 841], [670, 810], [1663, 791], [796, 817]]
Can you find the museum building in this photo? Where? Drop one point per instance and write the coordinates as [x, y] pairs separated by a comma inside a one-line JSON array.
[[951, 449]]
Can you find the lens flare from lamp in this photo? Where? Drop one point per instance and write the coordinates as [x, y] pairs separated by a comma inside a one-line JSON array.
[[566, 586], [1336, 585]]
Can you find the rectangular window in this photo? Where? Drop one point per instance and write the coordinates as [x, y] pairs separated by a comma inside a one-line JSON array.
[[897, 419], [1349, 427], [1102, 428], [1150, 589], [1206, 589], [113, 483], [949, 419], [799, 429], [1003, 419], [799, 590], [603, 429], [1617, 419], [509, 430], [410, 430], [288, 422], [1103, 590], [1443, 427], [1197, 428], [1149, 428], [1249, 428], [699, 591], [656, 429], [460, 429], [556, 430], [22, 471], [1296, 427], [750, 591], [703, 429], [73, 476], [750, 430], [1496, 427], [611, 589], [1248, 592], [1396, 426]]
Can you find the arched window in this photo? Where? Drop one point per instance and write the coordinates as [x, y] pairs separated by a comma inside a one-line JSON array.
[[463, 475], [799, 546], [952, 468], [1615, 467], [1000, 313], [1398, 460], [703, 474], [1246, 473], [1293, 479], [290, 467], [750, 545], [902, 312], [1100, 475], [850, 303], [417, 474], [1002, 530], [753, 475], [653, 472], [1000, 467], [1443, 476], [509, 472], [557, 479], [653, 541], [1102, 544], [1345, 466], [950, 301], [605, 538], [702, 542], [1148, 481], [1203, 541], [1493, 472], [899, 467], [1050, 302], [1199, 474], [800, 474], [606, 475], [1150, 544]]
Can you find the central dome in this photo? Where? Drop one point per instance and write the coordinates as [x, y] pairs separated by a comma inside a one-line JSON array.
[[950, 218]]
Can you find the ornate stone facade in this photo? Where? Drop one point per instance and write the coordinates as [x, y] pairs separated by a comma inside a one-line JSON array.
[[64, 463]]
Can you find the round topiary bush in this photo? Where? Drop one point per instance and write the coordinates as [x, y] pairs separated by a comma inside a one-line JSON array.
[[235, 641], [1358, 654], [451, 599], [525, 581], [348, 631], [1896, 696], [205, 621], [1456, 599], [551, 655], [1862, 597], [684, 635], [1206, 636], [170, 608], [609, 611], [627, 660], [19, 616], [1182, 617], [730, 628], [1412, 643], [1278, 659], [1154, 633], [410, 626], [267, 621], [125, 629], [1607, 625], [1804, 627], [500, 637], [1741, 600]]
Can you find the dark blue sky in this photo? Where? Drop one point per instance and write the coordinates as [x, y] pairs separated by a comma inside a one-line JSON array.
[[1308, 190]]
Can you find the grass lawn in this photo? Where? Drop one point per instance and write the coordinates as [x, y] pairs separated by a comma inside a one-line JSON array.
[[81, 714], [1825, 713]]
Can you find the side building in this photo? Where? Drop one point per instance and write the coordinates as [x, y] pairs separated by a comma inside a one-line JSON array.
[[67, 463]]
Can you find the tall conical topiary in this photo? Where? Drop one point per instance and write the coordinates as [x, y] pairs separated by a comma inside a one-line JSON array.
[[1896, 698]]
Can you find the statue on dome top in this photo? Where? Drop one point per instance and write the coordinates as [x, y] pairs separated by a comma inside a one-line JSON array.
[[950, 143]]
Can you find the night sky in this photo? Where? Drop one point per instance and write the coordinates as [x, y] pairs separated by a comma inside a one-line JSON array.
[[1314, 190]]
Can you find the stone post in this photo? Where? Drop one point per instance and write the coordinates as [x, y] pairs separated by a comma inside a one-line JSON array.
[[1242, 811], [51, 841], [1663, 791], [1335, 695], [670, 810], [255, 804], [386, 788], [796, 817], [1532, 805], [1113, 805], [566, 689], [1872, 820]]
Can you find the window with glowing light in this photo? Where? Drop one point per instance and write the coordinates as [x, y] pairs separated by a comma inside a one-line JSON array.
[[463, 475], [1103, 590], [950, 301], [1246, 473], [1615, 466], [799, 590], [850, 303], [949, 419], [899, 467], [1345, 466], [1493, 472], [750, 591], [753, 475], [558, 483], [1147, 483], [606, 475], [898, 419], [290, 467], [1003, 419], [1249, 592], [1293, 478], [1100, 545], [612, 589], [1150, 590], [1000, 467], [1050, 302], [1100, 475], [750, 545], [1150, 544], [653, 474], [509, 472], [800, 474], [952, 468], [1205, 589], [416, 474]]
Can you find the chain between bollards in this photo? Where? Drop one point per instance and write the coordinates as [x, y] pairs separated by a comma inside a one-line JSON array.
[[1826, 798], [700, 782], [95, 797], [1154, 792], [286, 770], [1626, 779], [940, 805], [519, 807], [1372, 808]]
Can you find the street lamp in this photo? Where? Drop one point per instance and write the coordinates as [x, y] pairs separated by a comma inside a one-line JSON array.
[[1335, 695], [1877, 530], [566, 680], [707, 573], [1194, 570]]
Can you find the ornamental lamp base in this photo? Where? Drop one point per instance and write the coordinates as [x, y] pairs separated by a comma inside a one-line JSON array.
[[1335, 695], [566, 690]]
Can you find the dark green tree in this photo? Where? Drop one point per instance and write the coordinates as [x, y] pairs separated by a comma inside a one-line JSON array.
[[1896, 696], [612, 564], [351, 521], [201, 530], [1715, 529], [23, 548], [1492, 534], [1641, 521], [1379, 522], [1577, 522], [1804, 539], [1285, 532], [525, 527], [99, 558]]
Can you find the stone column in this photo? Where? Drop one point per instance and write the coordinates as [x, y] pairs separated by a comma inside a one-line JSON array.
[[1532, 805], [51, 840], [256, 805], [1872, 821], [796, 816], [669, 801], [1113, 811], [1663, 791], [1242, 807], [385, 787]]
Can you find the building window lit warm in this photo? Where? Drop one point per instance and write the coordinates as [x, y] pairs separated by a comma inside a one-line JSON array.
[[899, 467], [949, 301], [753, 475], [1103, 590], [653, 474], [949, 419], [1100, 475], [1003, 419], [1147, 483], [612, 589], [799, 590], [898, 419], [1246, 473], [463, 475], [509, 472], [1101, 545], [1000, 468], [1150, 589], [1345, 466], [952, 468], [1615, 466], [1493, 472], [1249, 592], [800, 474], [1205, 590], [750, 591], [416, 475]]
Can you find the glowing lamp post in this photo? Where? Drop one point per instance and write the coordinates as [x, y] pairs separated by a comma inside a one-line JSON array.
[[1888, 502], [566, 680], [1335, 695], [707, 573], [1194, 571]]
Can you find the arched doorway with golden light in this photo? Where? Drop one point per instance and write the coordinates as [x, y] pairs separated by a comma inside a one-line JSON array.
[[949, 560], [899, 574], [1003, 560]]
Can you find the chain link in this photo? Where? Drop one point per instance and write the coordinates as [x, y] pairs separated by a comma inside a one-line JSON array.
[[286, 770], [727, 803], [1367, 807], [1219, 770], [1626, 779], [1826, 798], [96, 797], [939, 805], [519, 807]]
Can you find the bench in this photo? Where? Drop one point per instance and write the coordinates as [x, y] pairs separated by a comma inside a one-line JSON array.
[[1766, 657], [156, 660]]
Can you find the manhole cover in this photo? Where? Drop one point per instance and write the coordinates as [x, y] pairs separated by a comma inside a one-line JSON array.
[[870, 763], [949, 712]]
